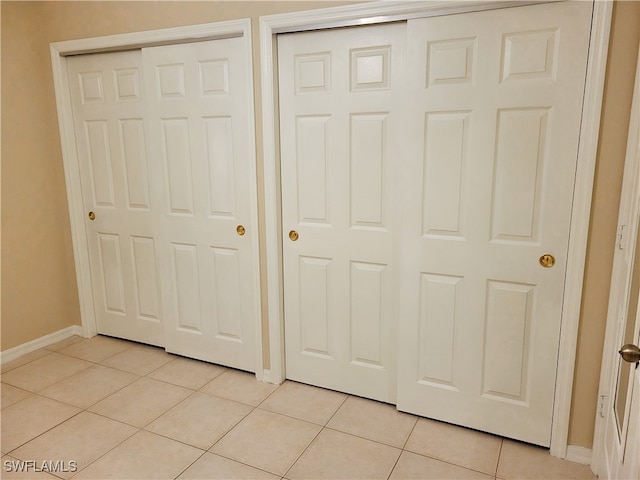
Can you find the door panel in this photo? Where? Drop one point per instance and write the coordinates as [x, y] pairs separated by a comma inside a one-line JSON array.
[[109, 110], [166, 166], [339, 136], [200, 114], [496, 108]]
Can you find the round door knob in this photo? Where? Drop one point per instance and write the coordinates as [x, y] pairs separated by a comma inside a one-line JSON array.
[[547, 260], [630, 353], [293, 235], [92, 216], [241, 230]]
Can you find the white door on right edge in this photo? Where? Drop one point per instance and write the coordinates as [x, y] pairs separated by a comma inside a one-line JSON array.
[[497, 101]]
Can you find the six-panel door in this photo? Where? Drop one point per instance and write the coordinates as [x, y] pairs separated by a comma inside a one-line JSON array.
[[495, 122], [167, 170], [474, 159]]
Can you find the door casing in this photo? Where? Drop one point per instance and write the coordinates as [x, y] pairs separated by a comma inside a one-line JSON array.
[[59, 53], [620, 280], [382, 12]]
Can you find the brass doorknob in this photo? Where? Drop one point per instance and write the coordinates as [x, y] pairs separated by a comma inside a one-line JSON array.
[[630, 353], [293, 235], [547, 260], [92, 216], [240, 230]]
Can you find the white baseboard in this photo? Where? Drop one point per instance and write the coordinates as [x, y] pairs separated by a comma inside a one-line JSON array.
[[41, 342], [579, 454], [267, 377]]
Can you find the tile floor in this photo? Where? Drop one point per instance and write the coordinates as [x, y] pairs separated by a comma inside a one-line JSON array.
[[106, 408]]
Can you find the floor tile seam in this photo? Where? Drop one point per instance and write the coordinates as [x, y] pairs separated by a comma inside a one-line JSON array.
[[450, 463], [395, 464], [208, 449], [19, 388], [338, 409], [46, 431], [363, 438], [264, 409], [109, 450], [23, 364], [252, 407], [94, 403], [404, 445], [190, 465], [242, 463], [495, 474], [40, 358], [304, 450], [162, 381], [178, 385]]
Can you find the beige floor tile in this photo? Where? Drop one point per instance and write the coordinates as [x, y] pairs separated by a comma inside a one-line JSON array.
[[313, 404], [267, 441], [81, 439], [523, 461], [24, 359], [139, 359], [11, 395], [200, 420], [373, 420], [43, 372], [97, 349], [416, 467], [337, 455], [188, 373], [14, 469], [214, 467], [239, 386], [460, 446], [143, 456], [28, 418], [141, 402], [64, 343], [89, 386]]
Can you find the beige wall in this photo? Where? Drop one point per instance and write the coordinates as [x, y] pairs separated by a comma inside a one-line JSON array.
[[621, 66], [39, 293]]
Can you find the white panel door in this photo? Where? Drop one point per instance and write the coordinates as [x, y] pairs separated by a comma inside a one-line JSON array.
[[495, 123], [338, 149], [200, 122], [109, 109]]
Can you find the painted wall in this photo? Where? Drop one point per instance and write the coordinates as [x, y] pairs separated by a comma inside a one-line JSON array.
[[39, 294]]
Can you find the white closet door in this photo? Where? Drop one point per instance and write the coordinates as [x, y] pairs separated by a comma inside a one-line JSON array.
[[200, 124], [338, 141], [109, 109], [497, 99]]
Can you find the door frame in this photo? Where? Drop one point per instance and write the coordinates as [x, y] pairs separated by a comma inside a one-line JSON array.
[[59, 52], [383, 12], [629, 209]]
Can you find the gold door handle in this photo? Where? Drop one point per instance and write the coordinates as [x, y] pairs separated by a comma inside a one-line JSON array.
[[240, 230], [547, 260], [92, 216], [630, 353], [293, 235]]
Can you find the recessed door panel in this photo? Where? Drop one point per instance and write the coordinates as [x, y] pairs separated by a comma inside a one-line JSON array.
[[201, 113], [496, 103], [338, 141], [166, 155], [109, 108]]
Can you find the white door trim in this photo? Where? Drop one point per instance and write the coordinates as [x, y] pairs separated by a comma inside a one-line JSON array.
[[380, 12], [629, 209], [59, 52]]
